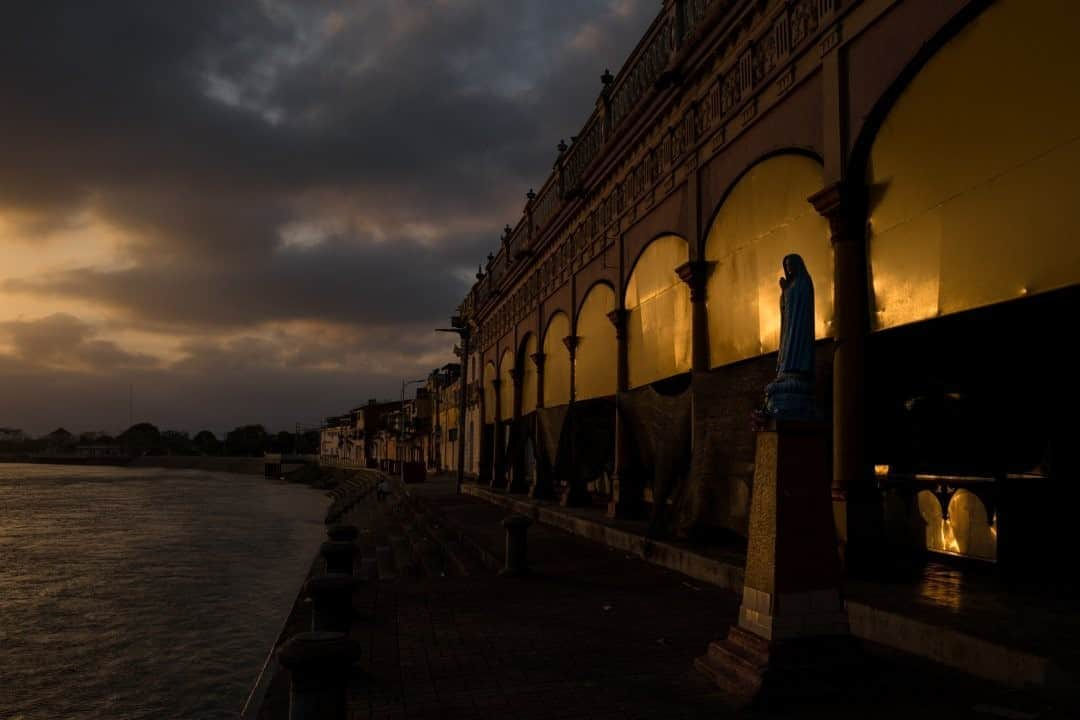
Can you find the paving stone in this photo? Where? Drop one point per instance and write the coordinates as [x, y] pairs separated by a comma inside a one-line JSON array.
[[590, 633]]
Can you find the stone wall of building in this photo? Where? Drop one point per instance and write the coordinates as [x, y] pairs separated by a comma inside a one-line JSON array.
[[753, 129]]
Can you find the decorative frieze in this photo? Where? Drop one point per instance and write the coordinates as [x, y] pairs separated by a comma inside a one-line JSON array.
[[830, 41]]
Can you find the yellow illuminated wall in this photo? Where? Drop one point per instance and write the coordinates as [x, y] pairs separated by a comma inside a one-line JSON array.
[[967, 531], [556, 362], [490, 398], [596, 361], [506, 387], [765, 217], [658, 331], [528, 382], [975, 173]]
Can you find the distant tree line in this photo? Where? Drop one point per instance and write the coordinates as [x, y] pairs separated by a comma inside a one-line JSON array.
[[147, 439]]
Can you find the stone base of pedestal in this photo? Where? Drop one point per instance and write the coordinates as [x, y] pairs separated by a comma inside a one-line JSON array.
[[792, 615], [792, 637], [754, 671]]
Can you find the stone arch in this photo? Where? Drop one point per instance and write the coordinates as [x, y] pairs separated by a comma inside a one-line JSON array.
[[657, 302], [556, 361], [966, 164], [596, 359], [764, 216], [965, 193]]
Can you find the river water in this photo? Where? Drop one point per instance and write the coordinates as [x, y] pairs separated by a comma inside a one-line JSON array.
[[144, 593]]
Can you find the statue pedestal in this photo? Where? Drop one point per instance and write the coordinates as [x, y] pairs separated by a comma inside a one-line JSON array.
[[792, 634]]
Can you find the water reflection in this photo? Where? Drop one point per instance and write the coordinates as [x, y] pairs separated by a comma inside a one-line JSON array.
[[143, 593]]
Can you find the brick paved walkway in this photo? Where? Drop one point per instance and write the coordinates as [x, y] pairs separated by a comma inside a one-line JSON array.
[[591, 633]]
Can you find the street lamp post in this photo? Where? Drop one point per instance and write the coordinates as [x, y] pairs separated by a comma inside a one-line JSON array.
[[462, 329], [401, 424]]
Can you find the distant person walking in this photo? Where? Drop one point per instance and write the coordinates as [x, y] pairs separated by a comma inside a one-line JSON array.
[[382, 490]]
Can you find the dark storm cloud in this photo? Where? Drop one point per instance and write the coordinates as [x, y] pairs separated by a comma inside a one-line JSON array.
[[211, 102], [268, 160], [369, 284], [64, 341]]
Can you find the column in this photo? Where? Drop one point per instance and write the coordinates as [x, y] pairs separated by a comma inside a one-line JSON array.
[[855, 501], [543, 487], [498, 470], [538, 361], [483, 442], [517, 483], [622, 368], [576, 493], [695, 274], [626, 494]]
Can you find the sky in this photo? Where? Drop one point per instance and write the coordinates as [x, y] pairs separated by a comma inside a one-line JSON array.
[[259, 210]]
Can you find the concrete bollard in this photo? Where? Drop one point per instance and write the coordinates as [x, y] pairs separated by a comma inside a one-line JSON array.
[[331, 602], [343, 533], [339, 556], [319, 663], [517, 557]]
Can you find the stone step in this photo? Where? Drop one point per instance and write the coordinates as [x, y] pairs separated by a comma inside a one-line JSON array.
[[731, 657], [750, 646], [724, 676]]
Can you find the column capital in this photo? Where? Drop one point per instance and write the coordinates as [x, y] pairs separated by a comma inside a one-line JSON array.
[[835, 203], [618, 319], [571, 343], [695, 274], [538, 359], [517, 375], [496, 382]]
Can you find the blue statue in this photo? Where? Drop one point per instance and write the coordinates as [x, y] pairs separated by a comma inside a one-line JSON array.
[[791, 395]]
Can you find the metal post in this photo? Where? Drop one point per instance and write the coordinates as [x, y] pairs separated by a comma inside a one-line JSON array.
[[401, 433], [339, 556], [461, 327], [516, 559], [331, 602], [461, 407], [401, 425], [319, 663], [434, 452]]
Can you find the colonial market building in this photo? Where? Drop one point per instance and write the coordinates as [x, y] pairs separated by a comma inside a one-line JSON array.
[[922, 156]]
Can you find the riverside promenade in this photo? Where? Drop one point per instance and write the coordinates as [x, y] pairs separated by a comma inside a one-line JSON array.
[[591, 632]]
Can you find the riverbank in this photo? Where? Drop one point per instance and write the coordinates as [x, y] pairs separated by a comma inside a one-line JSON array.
[[208, 463], [241, 465], [347, 488]]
